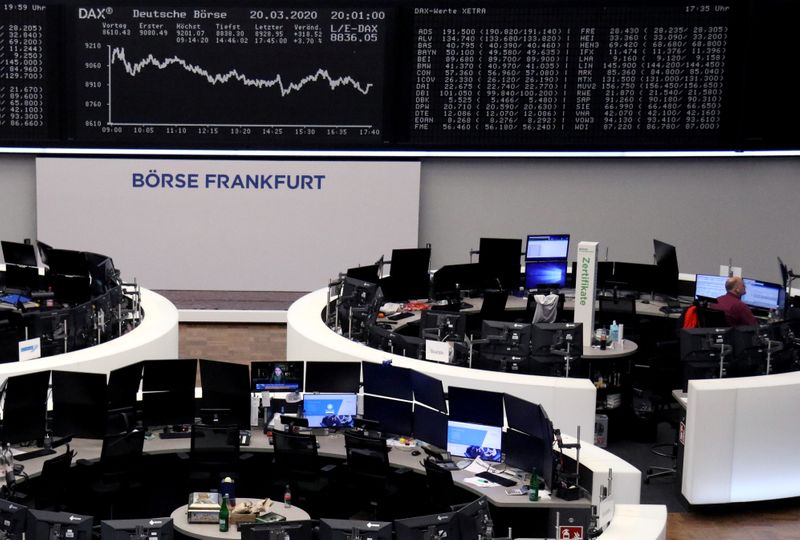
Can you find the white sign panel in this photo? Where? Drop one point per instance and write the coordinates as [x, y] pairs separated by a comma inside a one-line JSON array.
[[30, 349], [229, 225], [585, 285], [438, 351]]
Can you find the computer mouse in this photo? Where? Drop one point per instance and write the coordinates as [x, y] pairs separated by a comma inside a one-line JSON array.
[[415, 452]]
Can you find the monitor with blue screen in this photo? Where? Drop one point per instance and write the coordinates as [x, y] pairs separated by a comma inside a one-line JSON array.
[[547, 246], [330, 410], [545, 274], [474, 441], [760, 294]]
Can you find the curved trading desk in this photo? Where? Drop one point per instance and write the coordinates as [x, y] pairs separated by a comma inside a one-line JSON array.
[[155, 337]]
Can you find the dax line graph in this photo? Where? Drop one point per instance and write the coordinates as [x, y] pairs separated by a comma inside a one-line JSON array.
[[117, 54]]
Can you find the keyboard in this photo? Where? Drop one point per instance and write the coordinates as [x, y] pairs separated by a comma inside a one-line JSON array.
[[34, 454], [502, 480], [175, 435], [400, 316]]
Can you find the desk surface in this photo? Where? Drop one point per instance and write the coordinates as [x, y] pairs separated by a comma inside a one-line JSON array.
[[210, 531]]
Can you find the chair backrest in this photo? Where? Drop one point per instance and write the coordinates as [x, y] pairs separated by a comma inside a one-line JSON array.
[[121, 455], [367, 456], [440, 485], [54, 479], [295, 452], [494, 305]]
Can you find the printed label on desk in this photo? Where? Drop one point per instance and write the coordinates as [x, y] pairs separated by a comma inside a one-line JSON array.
[[570, 532], [30, 349], [438, 351]]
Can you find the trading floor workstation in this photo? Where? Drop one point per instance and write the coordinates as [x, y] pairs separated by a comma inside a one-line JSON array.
[[394, 422]]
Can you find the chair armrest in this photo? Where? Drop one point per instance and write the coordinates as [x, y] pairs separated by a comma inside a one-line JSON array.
[[183, 456]]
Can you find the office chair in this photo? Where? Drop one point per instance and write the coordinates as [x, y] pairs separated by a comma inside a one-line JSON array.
[[441, 490], [214, 454], [297, 464], [371, 480], [51, 490], [117, 475]]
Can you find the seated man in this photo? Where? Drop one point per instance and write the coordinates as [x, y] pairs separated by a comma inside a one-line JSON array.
[[736, 312]]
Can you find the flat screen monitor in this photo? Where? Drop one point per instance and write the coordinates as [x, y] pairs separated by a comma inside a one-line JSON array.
[[19, 254], [333, 376], [500, 262], [349, 529], [708, 286], [368, 273], [430, 426], [428, 390], [330, 410], [123, 385], [443, 325], [126, 529], [277, 376], [697, 344], [388, 381], [764, 295], [523, 415], [667, 262], [447, 280], [388, 340], [409, 278], [476, 406], [547, 246], [394, 416], [25, 407], [539, 274], [67, 262], [12, 520], [473, 519], [79, 404], [226, 388], [296, 530], [634, 276], [475, 441], [444, 525], [527, 452], [507, 338], [557, 338], [58, 525], [168, 391]]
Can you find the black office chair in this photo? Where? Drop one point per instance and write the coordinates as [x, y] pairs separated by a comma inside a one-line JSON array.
[[441, 490], [52, 489], [117, 476], [297, 464], [214, 454], [370, 477]]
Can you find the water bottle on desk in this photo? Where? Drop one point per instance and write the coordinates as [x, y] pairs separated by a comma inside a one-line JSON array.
[[287, 497], [613, 333]]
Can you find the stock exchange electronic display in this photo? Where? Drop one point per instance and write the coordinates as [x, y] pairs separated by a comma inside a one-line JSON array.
[[400, 75]]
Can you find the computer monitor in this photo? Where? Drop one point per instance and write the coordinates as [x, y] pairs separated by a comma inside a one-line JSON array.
[[706, 353], [388, 340], [168, 391], [506, 338], [667, 261], [475, 406], [25, 407], [473, 519], [557, 338], [127, 529], [428, 390], [226, 387], [451, 279], [387, 380], [764, 295], [442, 525], [547, 246], [395, 417], [500, 262], [333, 376], [539, 274], [475, 441], [58, 525], [277, 376], [330, 410], [12, 519], [443, 325], [708, 286], [430, 426], [408, 278], [19, 254], [296, 530], [368, 273], [123, 385], [523, 415], [350, 529], [79, 404]]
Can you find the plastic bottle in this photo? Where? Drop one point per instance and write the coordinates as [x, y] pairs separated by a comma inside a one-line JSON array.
[[224, 515], [613, 333], [533, 492], [287, 497]]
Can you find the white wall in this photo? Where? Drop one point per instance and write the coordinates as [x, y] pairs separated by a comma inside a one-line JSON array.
[[747, 209]]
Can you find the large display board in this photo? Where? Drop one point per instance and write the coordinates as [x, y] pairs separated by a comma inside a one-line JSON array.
[[400, 75]]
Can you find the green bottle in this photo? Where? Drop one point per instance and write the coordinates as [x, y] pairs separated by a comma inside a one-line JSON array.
[[533, 492], [224, 515]]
